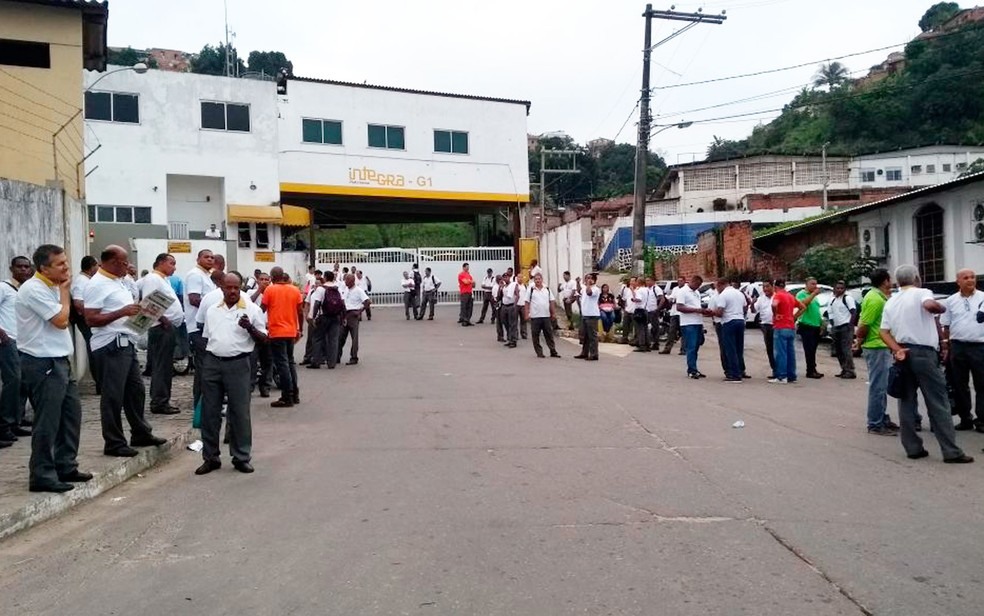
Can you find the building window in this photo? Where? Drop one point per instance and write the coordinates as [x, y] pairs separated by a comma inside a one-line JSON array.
[[961, 166], [930, 168], [25, 53], [450, 141], [120, 213], [947, 167], [893, 174], [929, 243], [225, 116], [389, 137], [245, 237], [262, 235], [916, 169], [112, 107], [867, 175], [321, 131]]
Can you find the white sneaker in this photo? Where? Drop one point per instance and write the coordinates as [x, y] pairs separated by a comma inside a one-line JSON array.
[[778, 381]]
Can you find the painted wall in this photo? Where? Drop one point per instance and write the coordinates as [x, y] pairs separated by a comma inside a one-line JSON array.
[[37, 102], [919, 166], [495, 167]]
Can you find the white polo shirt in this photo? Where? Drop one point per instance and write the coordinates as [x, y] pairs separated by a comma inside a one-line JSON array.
[[214, 298], [908, 321], [225, 337], [429, 283], [156, 281], [488, 283], [713, 303], [78, 286], [540, 301], [509, 293], [8, 308], [589, 303], [653, 296], [840, 310], [567, 289], [961, 317], [685, 296], [524, 295], [315, 297], [673, 302], [354, 298], [107, 293], [734, 302], [407, 284], [37, 303], [199, 282], [763, 306]]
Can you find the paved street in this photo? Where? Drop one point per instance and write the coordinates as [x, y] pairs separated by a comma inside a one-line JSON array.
[[448, 475]]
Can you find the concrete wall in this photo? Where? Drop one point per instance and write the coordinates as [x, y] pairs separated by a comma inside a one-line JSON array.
[[37, 102], [947, 163], [32, 215], [566, 248]]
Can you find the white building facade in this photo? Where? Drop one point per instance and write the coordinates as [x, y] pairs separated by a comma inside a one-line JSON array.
[[914, 167]]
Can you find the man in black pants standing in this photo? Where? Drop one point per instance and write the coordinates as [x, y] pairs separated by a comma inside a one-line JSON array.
[[488, 283], [809, 321], [161, 337]]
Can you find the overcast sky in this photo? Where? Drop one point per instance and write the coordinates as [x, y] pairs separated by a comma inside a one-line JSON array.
[[578, 61]]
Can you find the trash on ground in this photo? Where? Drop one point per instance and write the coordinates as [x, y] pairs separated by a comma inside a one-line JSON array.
[[195, 445], [738, 424]]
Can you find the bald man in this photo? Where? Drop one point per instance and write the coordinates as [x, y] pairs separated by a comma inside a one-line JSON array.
[[963, 329], [108, 304]]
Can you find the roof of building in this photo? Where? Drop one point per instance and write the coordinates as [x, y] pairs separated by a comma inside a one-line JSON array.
[[94, 17], [411, 91], [874, 205]]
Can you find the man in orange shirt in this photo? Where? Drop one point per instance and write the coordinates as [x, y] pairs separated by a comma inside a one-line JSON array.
[[284, 307], [465, 286]]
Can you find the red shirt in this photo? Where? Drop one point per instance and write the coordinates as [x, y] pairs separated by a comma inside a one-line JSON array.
[[783, 305], [465, 282]]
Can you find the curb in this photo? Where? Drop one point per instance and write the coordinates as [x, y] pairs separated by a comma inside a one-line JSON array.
[[47, 506]]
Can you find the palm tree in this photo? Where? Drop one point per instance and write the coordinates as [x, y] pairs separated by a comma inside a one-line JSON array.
[[831, 75]]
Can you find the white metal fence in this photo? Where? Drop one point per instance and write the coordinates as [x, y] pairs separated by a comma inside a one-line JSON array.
[[385, 266]]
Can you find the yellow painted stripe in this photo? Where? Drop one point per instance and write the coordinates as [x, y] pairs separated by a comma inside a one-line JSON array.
[[403, 193]]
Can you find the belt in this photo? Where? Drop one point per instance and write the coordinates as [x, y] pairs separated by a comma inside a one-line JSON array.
[[968, 342], [918, 347], [233, 358]]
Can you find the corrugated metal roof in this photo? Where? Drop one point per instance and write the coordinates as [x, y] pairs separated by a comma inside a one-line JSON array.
[[874, 205], [411, 91]]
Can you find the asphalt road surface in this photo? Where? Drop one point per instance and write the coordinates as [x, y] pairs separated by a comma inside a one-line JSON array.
[[446, 474]]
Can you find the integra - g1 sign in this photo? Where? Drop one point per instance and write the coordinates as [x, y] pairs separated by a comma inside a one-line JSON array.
[[370, 177]]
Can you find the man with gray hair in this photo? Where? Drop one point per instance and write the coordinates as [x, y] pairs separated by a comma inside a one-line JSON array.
[[963, 328], [910, 331]]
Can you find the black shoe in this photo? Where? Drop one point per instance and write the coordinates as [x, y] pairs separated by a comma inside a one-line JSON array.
[[700, 375], [664, 352], [965, 424], [814, 375], [122, 452], [467, 324], [478, 322], [5, 444], [500, 339], [961, 459], [314, 366], [555, 355], [297, 398], [511, 345], [581, 356], [170, 410], [8, 437], [19, 431], [918, 456], [75, 476], [147, 441], [208, 466], [57, 487], [888, 423], [242, 467], [595, 358], [264, 393], [640, 350], [27, 423], [883, 431], [282, 404], [849, 377], [745, 376], [541, 356], [430, 318], [693, 375], [352, 362]]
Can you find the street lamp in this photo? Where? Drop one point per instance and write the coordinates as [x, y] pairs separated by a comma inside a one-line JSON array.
[[139, 68], [663, 127]]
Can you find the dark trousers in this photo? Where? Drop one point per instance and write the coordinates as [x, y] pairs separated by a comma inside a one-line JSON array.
[[569, 313], [430, 299], [54, 397], [408, 305], [721, 354], [226, 380], [924, 374], [542, 325], [308, 345], [674, 334], [642, 330], [811, 340], [283, 362], [122, 389], [160, 354], [93, 368], [627, 324], [467, 306], [966, 360], [589, 336], [843, 341], [316, 336], [261, 367], [486, 304], [733, 343], [521, 320], [11, 404], [332, 330], [350, 327], [653, 318], [768, 334], [197, 346], [500, 326], [510, 321]]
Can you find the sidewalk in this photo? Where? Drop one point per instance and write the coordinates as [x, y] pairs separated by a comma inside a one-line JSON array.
[[21, 509]]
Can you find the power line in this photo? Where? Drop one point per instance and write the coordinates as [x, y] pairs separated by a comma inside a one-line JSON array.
[[624, 124], [32, 101], [35, 137], [73, 106], [21, 152]]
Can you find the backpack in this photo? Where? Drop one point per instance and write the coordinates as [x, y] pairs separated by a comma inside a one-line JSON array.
[[333, 305]]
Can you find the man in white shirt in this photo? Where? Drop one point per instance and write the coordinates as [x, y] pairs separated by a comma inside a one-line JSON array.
[[488, 284], [431, 284], [356, 301], [508, 314], [249, 286], [763, 308], [362, 281], [87, 270], [11, 402], [524, 298], [535, 269], [674, 334], [730, 307], [313, 336], [843, 313], [197, 284], [691, 322], [590, 315], [909, 329], [213, 232], [409, 291], [963, 327], [540, 314], [654, 301], [500, 327], [108, 305], [631, 301], [232, 328], [44, 341], [568, 291], [161, 339], [327, 322]]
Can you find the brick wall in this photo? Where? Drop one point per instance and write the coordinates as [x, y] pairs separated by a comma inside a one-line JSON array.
[[835, 198], [778, 251]]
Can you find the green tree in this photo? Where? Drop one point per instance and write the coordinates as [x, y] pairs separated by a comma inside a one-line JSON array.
[[975, 167], [212, 60], [831, 75], [616, 171], [123, 57], [937, 15], [723, 149], [269, 62], [828, 264]]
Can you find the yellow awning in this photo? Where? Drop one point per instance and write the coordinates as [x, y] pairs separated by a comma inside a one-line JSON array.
[[254, 213], [295, 216]]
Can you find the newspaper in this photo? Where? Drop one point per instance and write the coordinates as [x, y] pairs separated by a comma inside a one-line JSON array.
[[152, 308]]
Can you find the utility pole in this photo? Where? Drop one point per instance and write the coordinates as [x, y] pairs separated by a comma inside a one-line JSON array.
[[543, 178], [826, 179], [642, 146]]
